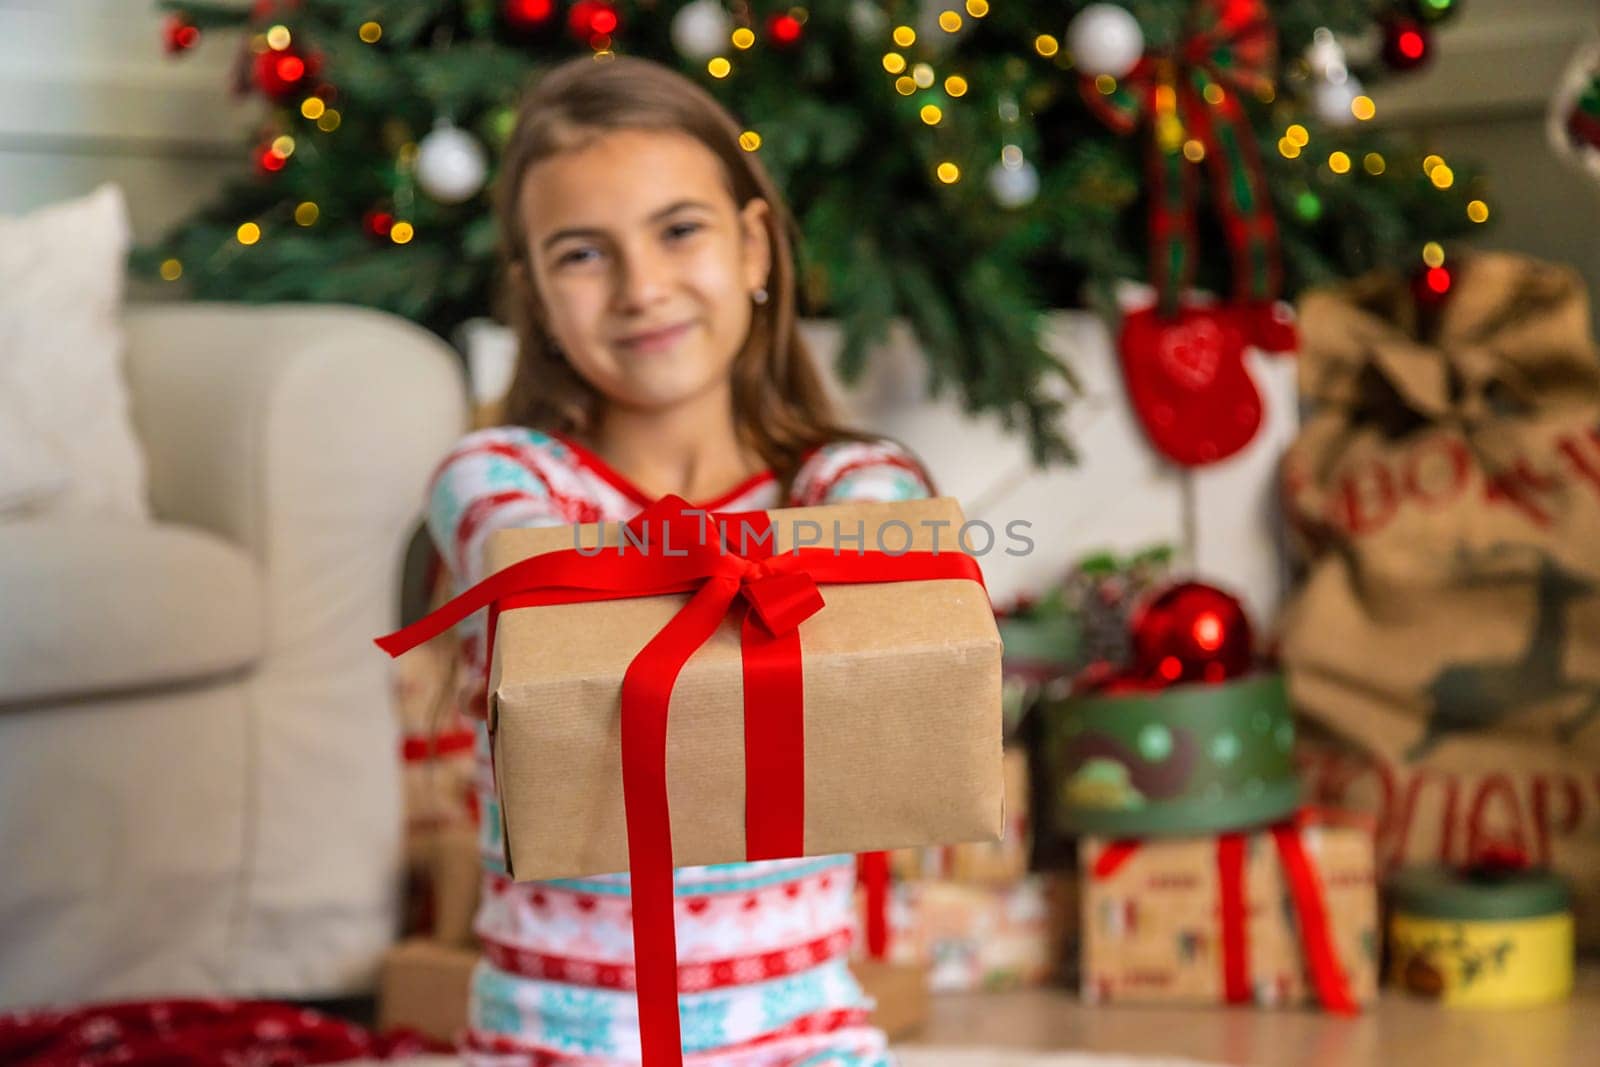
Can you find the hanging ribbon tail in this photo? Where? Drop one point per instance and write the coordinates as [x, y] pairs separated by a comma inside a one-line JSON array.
[[1112, 857], [1305, 889], [1235, 935], [646, 695], [1173, 235], [874, 872], [1124, 107], [1232, 53], [1238, 184]]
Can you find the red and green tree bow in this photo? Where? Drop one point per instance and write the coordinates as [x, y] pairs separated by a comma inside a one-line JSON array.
[[1190, 96]]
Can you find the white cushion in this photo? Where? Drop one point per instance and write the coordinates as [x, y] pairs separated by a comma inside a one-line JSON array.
[[61, 285], [95, 607], [33, 471]]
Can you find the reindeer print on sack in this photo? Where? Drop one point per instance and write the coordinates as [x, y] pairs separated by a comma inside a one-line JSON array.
[[1478, 695]]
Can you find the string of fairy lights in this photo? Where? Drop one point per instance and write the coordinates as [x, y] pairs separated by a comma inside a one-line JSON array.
[[707, 31]]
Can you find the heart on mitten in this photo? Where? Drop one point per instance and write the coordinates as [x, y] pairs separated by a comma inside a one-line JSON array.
[[1188, 384]]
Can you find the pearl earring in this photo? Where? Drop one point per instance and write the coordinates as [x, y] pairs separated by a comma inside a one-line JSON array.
[[760, 296]]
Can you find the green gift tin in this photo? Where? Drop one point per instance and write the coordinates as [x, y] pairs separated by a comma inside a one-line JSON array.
[[1188, 759], [1043, 647]]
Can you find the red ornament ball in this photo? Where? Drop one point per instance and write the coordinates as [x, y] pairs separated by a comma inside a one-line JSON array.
[[589, 19], [1103, 679], [281, 74], [1191, 632], [1407, 44], [784, 30], [1431, 286], [377, 223], [526, 14], [179, 34], [269, 160]]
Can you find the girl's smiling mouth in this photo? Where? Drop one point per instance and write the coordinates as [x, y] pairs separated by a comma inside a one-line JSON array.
[[654, 340]]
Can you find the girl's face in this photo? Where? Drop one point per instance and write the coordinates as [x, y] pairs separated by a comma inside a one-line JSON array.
[[643, 264]]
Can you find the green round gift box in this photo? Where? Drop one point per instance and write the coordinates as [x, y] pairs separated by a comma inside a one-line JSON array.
[[1189, 759]]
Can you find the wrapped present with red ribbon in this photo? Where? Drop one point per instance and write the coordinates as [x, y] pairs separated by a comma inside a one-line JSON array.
[[1285, 914], [692, 688], [972, 937]]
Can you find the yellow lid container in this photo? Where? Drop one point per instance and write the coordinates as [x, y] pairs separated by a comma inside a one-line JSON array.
[[1481, 940]]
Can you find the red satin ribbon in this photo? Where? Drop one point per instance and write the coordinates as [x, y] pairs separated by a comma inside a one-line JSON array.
[[779, 592], [1235, 944], [873, 868], [422, 747], [1328, 977], [1305, 888]]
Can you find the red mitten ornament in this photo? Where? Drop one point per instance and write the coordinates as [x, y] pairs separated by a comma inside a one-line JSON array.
[[1187, 381]]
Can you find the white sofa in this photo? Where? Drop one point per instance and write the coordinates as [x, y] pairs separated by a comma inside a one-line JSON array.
[[199, 789]]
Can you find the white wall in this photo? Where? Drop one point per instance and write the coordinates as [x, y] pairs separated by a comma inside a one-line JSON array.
[[87, 95]]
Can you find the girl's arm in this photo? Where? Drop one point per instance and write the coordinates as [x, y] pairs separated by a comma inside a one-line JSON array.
[[861, 470], [491, 480]]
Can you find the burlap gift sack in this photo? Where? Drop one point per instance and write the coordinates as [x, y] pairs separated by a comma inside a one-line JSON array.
[[1446, 493]]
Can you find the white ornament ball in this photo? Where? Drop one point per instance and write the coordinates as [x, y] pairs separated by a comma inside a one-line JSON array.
[[1331, 100], [451, 164], [868, 20], [1014, 186], [1105, 39], [700, 30], [1325, 56]]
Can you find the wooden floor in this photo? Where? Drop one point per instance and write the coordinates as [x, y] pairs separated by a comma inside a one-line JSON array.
[[1401, 1032]]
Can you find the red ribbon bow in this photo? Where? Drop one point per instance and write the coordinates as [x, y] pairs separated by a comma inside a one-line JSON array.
[[1193, 90], [781, 592]]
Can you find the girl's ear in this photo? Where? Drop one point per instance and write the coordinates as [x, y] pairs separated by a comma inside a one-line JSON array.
[[757, 243]]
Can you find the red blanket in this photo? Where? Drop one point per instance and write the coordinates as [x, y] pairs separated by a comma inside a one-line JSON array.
[[191, 1033]]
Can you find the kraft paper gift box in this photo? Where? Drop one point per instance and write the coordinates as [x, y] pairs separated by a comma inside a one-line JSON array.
[[974, 937], [424, 986], [1155, 917], [899, 993], [444, 878], [1000, 863], [902, 716], [631, 689]]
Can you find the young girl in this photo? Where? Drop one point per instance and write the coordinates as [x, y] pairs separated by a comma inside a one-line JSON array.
[[652, 286]]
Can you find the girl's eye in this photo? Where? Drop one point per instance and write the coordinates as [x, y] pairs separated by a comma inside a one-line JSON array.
[[683, 229], [576, 255]]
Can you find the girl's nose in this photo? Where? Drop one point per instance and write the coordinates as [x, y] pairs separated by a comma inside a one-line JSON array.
[[645, 275]]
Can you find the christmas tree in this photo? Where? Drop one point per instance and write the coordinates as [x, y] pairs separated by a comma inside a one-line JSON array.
[[960, 164]]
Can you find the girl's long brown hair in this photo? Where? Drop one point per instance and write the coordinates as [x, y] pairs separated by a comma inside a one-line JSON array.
[[781, 406]]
